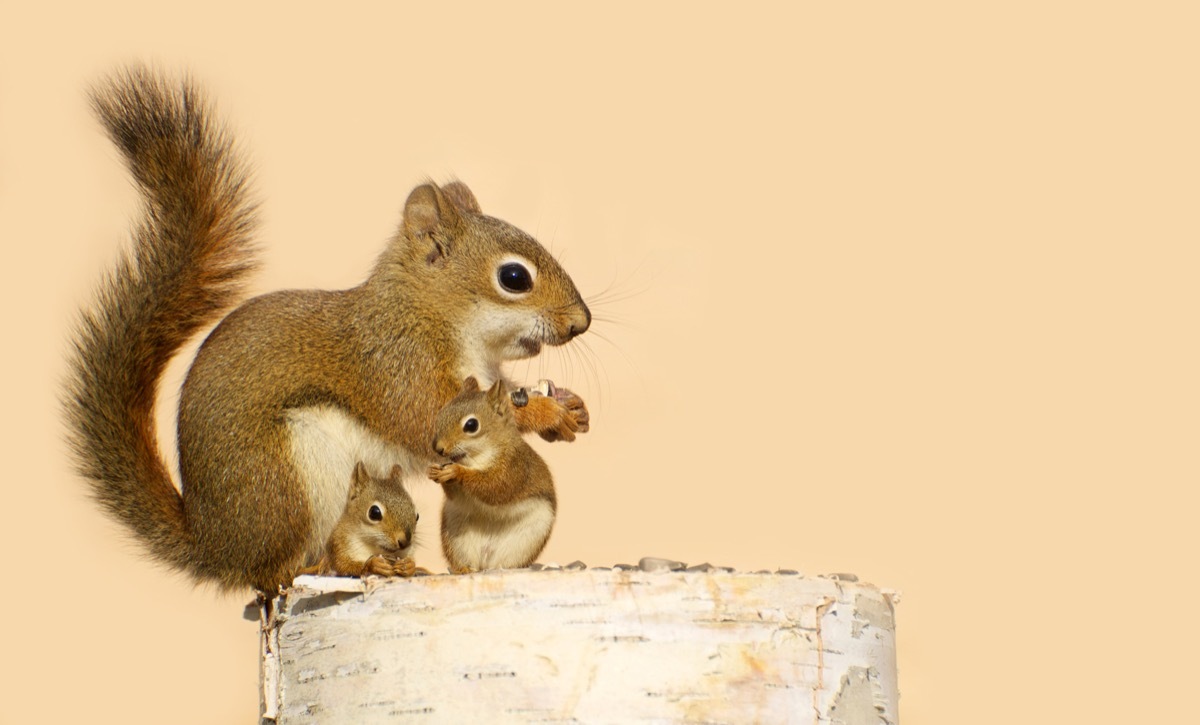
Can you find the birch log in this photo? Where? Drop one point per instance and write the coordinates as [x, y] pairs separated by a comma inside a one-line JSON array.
[[587, 646]]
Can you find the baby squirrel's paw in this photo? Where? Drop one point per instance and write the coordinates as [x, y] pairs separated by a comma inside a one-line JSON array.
[[379, 565], [405, 567], [444, 473]]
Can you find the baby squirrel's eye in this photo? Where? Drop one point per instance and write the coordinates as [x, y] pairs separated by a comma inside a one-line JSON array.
[[375, 513], [471, 425], [513, 277]]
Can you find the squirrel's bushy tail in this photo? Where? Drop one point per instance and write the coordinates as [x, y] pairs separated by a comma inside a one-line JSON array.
[[191, 251]]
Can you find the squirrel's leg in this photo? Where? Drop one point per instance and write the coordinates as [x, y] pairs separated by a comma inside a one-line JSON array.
[[321, 567]]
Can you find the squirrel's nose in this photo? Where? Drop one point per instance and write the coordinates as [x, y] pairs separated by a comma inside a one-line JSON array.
[[581, 323]]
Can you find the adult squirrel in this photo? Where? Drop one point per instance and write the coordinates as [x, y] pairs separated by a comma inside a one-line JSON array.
[[293, 387], [500, 503], [375, 532]]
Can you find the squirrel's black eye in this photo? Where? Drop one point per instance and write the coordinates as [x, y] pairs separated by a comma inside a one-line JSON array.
[[375, 513], [417, 518], [513, 277], [470, 425]]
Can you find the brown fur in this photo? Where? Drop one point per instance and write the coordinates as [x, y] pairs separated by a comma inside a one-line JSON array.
[[385, 353], [515, 471], [384, 539]]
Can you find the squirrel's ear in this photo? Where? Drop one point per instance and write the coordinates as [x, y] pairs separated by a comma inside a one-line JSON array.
[[496, 397], [458, 193], [360, 478], [430, 221], [470, 385], [397, 474]]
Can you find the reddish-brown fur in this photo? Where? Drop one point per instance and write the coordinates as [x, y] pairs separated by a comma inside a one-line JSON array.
[[385, 354]]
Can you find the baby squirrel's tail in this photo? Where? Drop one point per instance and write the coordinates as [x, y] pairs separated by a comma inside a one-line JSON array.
[[191, 251]]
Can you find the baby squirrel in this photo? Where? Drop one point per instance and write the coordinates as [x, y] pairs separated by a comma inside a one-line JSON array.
[[500, 502], [292, 388], [375, 533]]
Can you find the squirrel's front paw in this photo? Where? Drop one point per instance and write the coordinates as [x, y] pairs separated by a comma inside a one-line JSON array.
[[444, 473], [576, 408], [379, 565], [405, 567], [384, 565], [557, 415], [570, 417]]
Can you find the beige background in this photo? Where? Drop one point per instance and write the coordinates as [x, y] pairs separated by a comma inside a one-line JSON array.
[[900, 289]]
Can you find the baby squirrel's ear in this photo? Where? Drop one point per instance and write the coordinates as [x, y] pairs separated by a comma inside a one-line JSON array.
[[397, 474], [431, 222], [359, 480], [497, 398], [470, 385], [461, 196]]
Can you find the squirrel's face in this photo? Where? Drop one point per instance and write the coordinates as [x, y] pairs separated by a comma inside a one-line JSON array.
[[508, 295], [471, 427], [522, 298], [389, 528], [466, 435], [384, 511]]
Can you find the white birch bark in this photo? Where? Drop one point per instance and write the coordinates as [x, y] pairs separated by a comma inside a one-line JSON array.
[[590, 646]]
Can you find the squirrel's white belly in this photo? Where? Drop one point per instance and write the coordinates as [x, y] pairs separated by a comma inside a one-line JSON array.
[[326, 443], [496, 537]]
